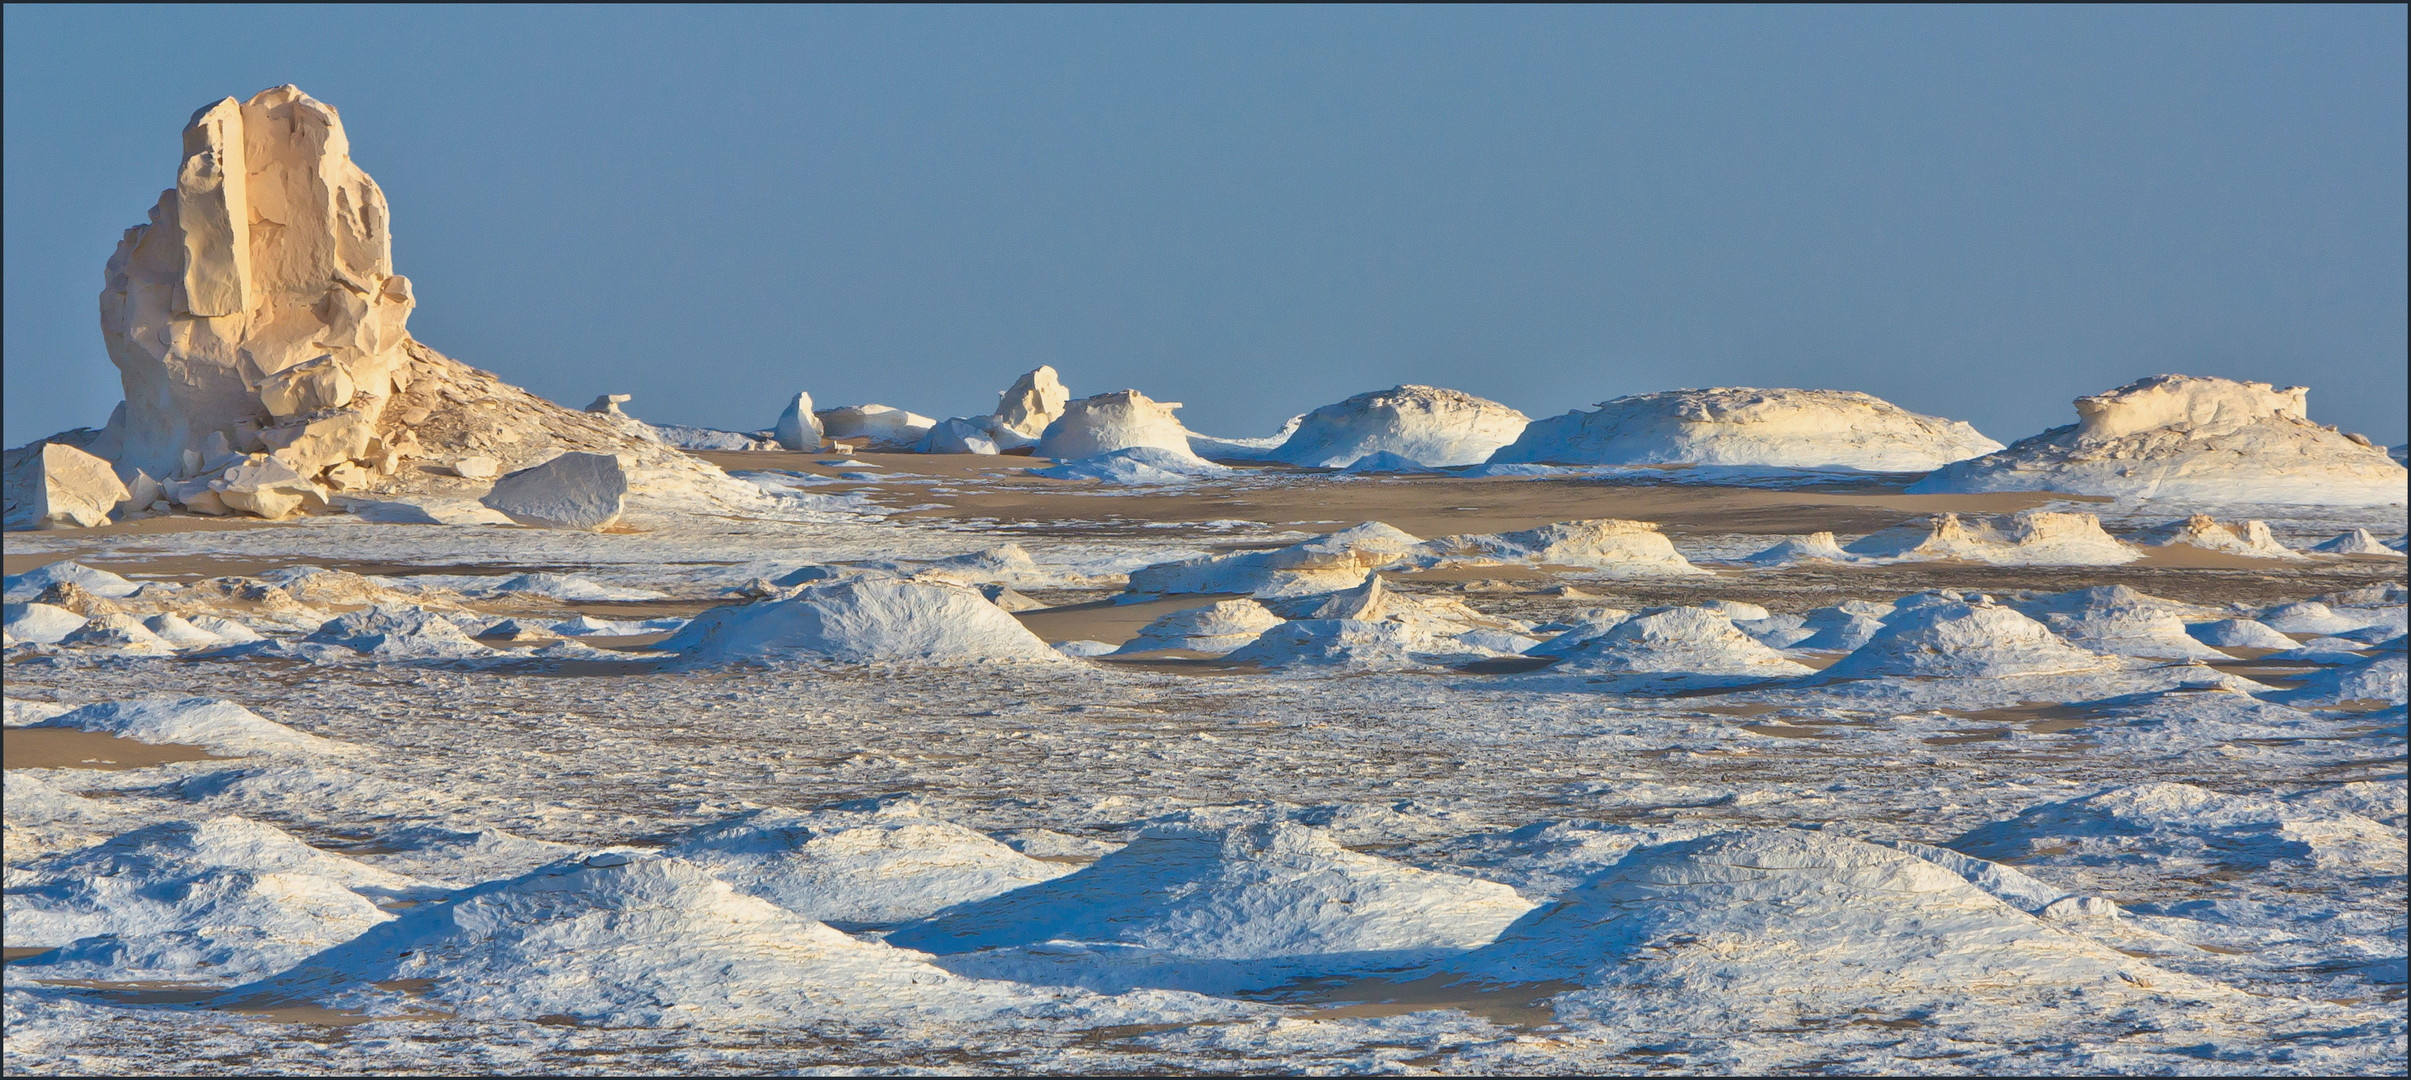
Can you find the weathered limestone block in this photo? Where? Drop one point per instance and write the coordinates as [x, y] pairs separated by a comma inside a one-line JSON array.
[[265, 485], [1032, 402], [307, 387], [573, 491], [141, 492], [798, 428], [475, 467], [310, 447], [61, 487]]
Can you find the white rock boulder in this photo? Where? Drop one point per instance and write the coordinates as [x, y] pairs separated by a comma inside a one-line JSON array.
[[2201, 440], [573, 491], [57, 486], [1838, 429], [1426, 425]]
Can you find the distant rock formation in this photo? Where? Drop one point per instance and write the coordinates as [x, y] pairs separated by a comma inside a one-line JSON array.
[[261, 335], [1427, 425], [2192, 438], [1806, 429], [1032, 402], [1115, 421]]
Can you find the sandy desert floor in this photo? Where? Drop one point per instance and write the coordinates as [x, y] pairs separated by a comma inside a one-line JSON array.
[[2155, 864]]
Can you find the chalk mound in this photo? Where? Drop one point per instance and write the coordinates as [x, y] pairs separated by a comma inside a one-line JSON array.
[[845, 866], [1843, 627], [192, 721], [218, 899], [2162, 823], [631, 941], [2254, 541], [39, 819], [861, 621], [2239, 634], [1813, 547], [1951, 640], [2315, 617], [399, 632], [1216, 628], [2357, 542], [1340, 560], [117, 631], [1621, 548], [2026, 538], [1136, 465], [1684, 646], [1780, 924], [32, 583], [1811, 429], [39, 624], [1107, 422], [2118, 620], [2379, 680], [1424, 425], [2183, 437], [1259, 891], [449, 858]]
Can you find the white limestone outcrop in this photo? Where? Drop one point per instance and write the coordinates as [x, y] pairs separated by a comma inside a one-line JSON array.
[[573, 491], [1427, 425], [2203, 440], [2202, 531], [1033, 401], [58, 486], [883, 425], [1839, 429], [1107, 422], [2026, 538], [261, 300], [258, 316], [798, 428]]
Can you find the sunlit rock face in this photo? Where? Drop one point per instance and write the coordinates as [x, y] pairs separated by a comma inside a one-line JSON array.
[[260, 301], [2191, 438]]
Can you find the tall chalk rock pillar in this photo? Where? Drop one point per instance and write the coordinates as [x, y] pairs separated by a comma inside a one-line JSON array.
[[260, 301]]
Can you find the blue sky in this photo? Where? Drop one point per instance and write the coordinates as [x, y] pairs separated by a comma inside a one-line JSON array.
[[1979, 213]]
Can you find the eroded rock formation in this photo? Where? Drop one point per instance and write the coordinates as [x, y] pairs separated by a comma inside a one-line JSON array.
[[260, 302]]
